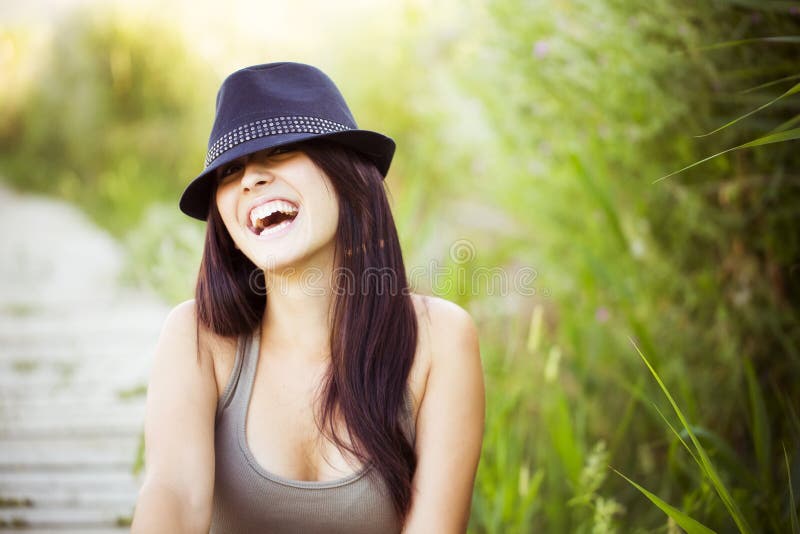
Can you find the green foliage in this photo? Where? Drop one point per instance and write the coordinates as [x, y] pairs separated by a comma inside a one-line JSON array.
[[687, 523], [701, 456], [164, 252], [592, 100], [111, 121], [793, 515], [778, 137]]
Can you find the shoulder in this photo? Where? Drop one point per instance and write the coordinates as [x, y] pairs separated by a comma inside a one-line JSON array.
[[178, 367], [180, 334], [182, 319], [449, 342], [183, 328], [445, 324], [182, 322]]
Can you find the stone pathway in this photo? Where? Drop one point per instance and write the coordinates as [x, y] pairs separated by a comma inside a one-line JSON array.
[[75, 353]]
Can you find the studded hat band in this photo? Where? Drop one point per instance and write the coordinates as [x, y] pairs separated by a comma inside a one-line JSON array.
[[275, 125]]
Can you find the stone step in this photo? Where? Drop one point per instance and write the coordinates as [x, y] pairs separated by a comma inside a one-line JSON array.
[[73, 430], [63, 499], [15, 302], [68, 453], [41, 339], [41, 411], [38, 407], [59, 354], [67, 386], [76, 518], [66, 481], [57, 529]]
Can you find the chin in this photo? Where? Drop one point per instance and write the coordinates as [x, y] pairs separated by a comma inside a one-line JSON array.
[[273, 262]]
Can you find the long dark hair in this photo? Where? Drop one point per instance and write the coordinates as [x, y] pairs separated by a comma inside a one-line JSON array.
[[374, 329]]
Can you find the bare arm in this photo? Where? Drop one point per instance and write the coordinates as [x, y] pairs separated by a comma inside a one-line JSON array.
[[449, 426], [177, 492]]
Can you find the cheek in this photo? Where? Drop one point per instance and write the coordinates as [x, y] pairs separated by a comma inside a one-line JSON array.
[[330, 201], [226, 204], [320, 199], [329, 205], [334, 207]]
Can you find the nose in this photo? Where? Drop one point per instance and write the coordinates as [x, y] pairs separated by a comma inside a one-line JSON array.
[[255, 175]]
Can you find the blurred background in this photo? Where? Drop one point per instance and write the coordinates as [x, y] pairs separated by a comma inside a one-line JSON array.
[[657, 337]]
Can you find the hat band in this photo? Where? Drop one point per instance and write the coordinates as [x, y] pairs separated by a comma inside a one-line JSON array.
[[273, 126]]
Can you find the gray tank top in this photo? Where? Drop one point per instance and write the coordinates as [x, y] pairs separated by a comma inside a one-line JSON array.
[[250, 499]]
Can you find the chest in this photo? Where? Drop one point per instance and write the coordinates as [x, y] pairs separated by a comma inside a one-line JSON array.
[[261, 484], [280, 427]]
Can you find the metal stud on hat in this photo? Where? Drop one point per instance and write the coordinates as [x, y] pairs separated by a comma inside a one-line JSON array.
[[274, 104]]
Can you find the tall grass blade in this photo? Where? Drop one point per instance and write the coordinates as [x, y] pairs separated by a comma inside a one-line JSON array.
[[778, 137], [687, 523], [707, 465], [720, 446], [790, 39], [786, 125], [762, 439], [780, 6], [724, 456], [770, 84], [792, 502], [602, 199], [680, 438], [622, 428], [789, 92], [794, 418], [535, 329], [567, 445]]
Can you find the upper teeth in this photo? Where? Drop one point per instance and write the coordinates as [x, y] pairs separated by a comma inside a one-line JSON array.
[[267, 209]]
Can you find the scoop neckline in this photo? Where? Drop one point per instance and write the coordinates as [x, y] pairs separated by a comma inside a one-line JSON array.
[[252, 356]]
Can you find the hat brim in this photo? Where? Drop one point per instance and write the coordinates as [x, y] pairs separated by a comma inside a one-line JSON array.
[[195, 198]]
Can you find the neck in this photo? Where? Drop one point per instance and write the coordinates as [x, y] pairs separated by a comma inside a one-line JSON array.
[[298, 317]]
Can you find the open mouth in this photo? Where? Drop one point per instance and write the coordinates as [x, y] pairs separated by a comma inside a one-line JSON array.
[[272, 217]]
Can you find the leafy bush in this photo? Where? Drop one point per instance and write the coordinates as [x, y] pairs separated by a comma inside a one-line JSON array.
[[113, 119], [595, 101]]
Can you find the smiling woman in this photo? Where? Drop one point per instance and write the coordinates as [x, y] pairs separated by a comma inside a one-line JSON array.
[[294, 392]]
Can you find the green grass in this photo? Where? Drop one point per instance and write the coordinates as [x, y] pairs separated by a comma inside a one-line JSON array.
[[25, 366], [701, 457], [20, 309], [133, 392]]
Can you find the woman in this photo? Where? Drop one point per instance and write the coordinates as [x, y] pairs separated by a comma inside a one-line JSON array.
[[305, 388]]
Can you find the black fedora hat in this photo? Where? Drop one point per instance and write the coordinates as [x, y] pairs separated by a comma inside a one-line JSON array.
[[275, 104]]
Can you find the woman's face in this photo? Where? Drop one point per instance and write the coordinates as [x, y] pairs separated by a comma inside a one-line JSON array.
[[279, 208]]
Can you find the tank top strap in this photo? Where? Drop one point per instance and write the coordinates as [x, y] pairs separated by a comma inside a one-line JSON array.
[[243, 369]]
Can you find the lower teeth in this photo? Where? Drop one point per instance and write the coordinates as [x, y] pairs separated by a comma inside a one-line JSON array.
[[273, 229]]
